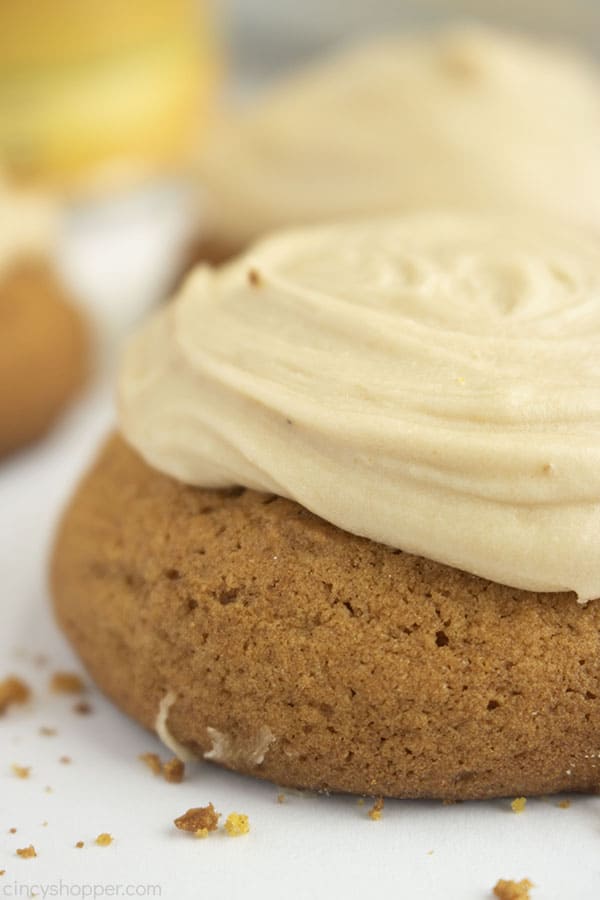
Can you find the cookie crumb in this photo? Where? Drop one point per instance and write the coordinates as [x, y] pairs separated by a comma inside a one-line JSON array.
[[564, 804], [104, 839], [21, 771], [173, 771], [45, 731], [27, 852], [12, 830], [376, 810], [254, 278], [13, 691], [82, 709], [198, 818], [48, 789], [65, 760], [281, 798], [152, 760], [518, 804], [237, 824], [2, 872], [79, 845], [66, 683], [513, 890]]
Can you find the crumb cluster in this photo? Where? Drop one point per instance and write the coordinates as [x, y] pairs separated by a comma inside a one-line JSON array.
[[66, 683], [104, 839], [13, 691], [152, 760], [199, 819], [172, 771], [237, 824], [513, 890], [376, 810]]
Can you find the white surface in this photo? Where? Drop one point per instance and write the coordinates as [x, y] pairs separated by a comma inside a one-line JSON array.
[[122, 253], [307, 847]]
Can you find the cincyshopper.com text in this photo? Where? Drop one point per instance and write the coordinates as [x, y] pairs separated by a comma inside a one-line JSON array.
[[78, 890]]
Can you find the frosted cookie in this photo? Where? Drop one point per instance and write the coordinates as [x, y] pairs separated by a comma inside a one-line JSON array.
[[469, 118], [345, 546], [43, 340]]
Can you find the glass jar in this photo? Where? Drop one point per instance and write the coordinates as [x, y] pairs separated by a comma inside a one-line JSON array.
[[102, 85]]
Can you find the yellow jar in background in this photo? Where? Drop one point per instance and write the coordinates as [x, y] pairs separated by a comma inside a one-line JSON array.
[[89, 87]]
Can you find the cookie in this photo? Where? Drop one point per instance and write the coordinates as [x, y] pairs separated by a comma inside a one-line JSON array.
[[43, 352], [278, 645]]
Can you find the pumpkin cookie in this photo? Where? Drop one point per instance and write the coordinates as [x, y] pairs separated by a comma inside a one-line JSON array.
[[343, 542], [43, 348]]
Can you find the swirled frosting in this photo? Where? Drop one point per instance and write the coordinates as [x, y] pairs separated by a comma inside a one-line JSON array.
[[470, 118], [431, 382], [28, 224]]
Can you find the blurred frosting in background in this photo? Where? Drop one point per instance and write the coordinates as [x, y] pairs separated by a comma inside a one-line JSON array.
[[268, 37], [102, 88], [102, 92], [469, 117]]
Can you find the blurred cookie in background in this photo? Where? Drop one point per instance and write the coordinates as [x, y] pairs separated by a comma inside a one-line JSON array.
[[468, 118], [44, 342]]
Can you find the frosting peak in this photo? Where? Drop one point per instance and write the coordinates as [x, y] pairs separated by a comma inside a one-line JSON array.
[[431, 382]]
